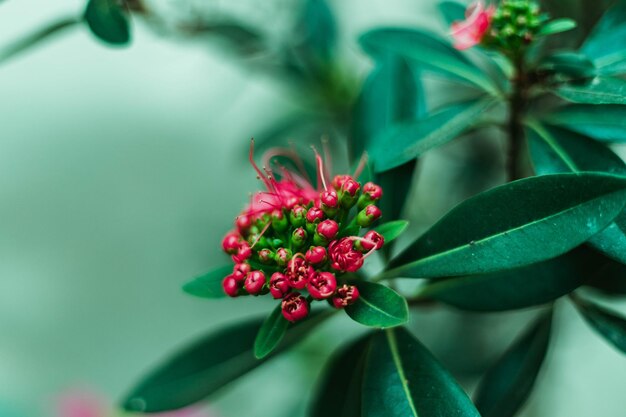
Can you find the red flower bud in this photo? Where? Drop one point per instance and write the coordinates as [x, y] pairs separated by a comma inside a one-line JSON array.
[[350, 187], [282, 256], [328, 229], [244, 252], [343, 256], [316, 255], [231, 286], [339, 180], [322, 285], [329, 198], [254, 282], [266, 256], [314, 215], [345, 295], [240, 271], [231, 242], [279, 286], [375, 192], [368, 215], [295, 307], [297, 216], [243, 223], [298, 237], [371, 240], [298, 272]]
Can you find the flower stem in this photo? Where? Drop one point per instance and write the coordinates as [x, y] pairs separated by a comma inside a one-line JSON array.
[[517, 103]]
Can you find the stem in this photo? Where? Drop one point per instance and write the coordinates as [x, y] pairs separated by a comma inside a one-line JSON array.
[[517, 103]]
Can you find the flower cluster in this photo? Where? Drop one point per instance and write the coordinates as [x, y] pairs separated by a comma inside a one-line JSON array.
[[295, 238], [509, 27]]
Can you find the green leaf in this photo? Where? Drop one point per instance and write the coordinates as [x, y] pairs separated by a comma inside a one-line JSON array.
[[602, 122], [108, 21], [205, 366], [320, 30], [404, 142], [391, 230], [556, 150], [428, 50], [602, 90], [209, 285], [451, 11], [610, 278], [557, 26], [605, 322], [513, 225], [569, 65], [271, 333], [378, 306], [517, 288], [403, 379], [607, 38], [339, 390], [508, 384]]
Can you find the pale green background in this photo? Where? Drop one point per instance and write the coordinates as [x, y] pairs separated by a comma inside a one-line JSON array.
[[120, 170]]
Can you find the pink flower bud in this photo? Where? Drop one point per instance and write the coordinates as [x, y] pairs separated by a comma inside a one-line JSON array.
[[266, 256], [295, 307], [298, 237], [329, 198], [322, 285], [470, 32], [368, 215], [371, 240], [328, 229], [343, 256], [350, 187], [243, 223], [316, 255], [373, 191], [279, 286], [345, 295], [314, 215], [297, 216], [339, 180], [298, 272], [230, 244], [283, 256], [243, 253], [240, 271], [254, 282], [231, 286]]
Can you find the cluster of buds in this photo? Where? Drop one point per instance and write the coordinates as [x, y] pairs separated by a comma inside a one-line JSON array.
[[296, 242], [509, 27]]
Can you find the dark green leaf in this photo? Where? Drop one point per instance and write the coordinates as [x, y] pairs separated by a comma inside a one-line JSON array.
[[451, 11], [271, 333], [602, 90], [403, 379], [319, 29], [603, 122], [397, 185], [391, 230], [378, 306], [569, 66], [428, 50], [610, 278], [404, 142], [607, 38], [205, 366], [108, 21], [339, 391], [507, 385], [508, 226], [608, 324], [517, 288], [557, 26], [209, 285]]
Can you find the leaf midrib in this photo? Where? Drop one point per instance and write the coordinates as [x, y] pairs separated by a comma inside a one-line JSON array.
[[397, 361], [374, 307]]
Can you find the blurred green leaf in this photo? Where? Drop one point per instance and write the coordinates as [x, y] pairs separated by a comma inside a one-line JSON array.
[[602, 90], [572, 65], [557, 26], [554, 150], [378, 306], [603, 122], [517, 288], [271, 333], [406, 141], [108, 20], [606, 44], [339, 390], [508, 384], [209, 285], [605, 322], [429, 51], [205, 366], [319, 29], [610, 277], [451, 11], [403, 379], [391, 230], [513, 225]]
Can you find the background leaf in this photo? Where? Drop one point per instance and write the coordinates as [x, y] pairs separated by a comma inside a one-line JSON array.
[[557, 26], [507, 385], [403, 379], [271, 333], [209, 285], [108, 21], [451, 11], [602, 90], [606, 323], [392, 230], [508, 226], [605, 44], [378, 306], [602, 122]]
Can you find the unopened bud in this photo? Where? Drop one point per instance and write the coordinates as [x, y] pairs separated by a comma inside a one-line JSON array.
[[328, 229], [295, 307], [231, 286], [240, 271], [280, 223], [266, 256], [279, 286], [254, 282], [368, 215], [283, 256], [230, 244], [316, 255], [297, 216], [298, 237], [243, 252], [322, 285], [371, 240]]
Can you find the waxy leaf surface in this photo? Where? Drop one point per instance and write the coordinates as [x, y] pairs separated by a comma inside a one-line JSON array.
[[378, 306]]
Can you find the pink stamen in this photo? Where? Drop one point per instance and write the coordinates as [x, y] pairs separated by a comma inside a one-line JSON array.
[[360, 166], [293, 264], [320, 169], [287, 153], [327, 156], [362, 239], [256, 168], [260, 234]]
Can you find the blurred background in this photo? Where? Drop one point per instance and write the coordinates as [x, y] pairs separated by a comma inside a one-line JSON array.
[[122, 168]]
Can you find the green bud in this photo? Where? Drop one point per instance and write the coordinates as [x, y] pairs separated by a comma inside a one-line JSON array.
[[280, 222], [298, 237]]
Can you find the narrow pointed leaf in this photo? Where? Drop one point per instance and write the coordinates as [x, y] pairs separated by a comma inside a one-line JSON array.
[[602, 90], [513, 225], [602, 122], [517, 288], [271, 333], [607, 37], [605, 322], [107, 20], [209, 285], [404, 142], [402, 379], [378, 306], [339, 390], [557, 26], [508, 384], [391, 230]]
